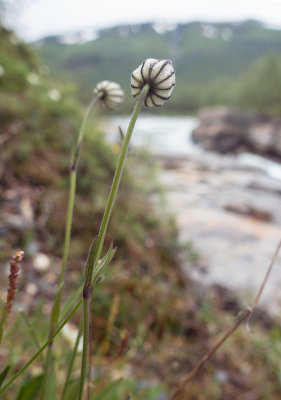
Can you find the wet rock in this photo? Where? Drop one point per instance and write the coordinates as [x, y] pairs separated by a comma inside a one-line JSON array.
[[224, 130], [218, 137], [246, 209], [265, 185], [17, 211], [221, 129], [265, 138], [15, 221]]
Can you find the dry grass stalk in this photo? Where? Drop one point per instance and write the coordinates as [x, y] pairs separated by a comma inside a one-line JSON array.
[[243, 317]]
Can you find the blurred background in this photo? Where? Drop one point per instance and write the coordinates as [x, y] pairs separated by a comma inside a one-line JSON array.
[[198, 216]]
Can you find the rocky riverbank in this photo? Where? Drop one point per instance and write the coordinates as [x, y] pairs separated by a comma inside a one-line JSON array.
[[230, 211], [226, 201]]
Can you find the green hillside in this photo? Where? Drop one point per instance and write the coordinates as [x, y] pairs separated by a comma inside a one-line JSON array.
[[208, 57]]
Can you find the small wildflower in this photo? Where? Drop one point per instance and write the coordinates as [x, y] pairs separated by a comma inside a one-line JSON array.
[[159, 75], [13, 277], [31, 289], [33, 79], [54, 94], [111, 95], [41, 262]]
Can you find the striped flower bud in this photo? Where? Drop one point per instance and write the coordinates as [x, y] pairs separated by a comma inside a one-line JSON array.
[[159, 75], [111, 95]]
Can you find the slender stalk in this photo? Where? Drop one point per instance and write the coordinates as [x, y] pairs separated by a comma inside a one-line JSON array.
[[86, 305], [72, 189], [90, 369], [51, 338], [88, 287], [246, 314], [71, 363], [2, 322], [209, 354], [4, 317], [118, 174]]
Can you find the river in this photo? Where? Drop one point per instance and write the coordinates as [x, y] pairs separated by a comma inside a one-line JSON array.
[[161, 135], [228, 206], [171, 136]]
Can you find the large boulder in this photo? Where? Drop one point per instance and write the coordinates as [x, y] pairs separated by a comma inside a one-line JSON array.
[[224, 129]]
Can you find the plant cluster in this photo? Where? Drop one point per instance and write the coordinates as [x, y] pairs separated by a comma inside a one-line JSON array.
[[139, 278]]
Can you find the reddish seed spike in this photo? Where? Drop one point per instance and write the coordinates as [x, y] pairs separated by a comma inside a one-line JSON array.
[[13, 277]]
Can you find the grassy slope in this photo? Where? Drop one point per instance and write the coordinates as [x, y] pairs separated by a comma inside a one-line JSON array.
[[162, 324]]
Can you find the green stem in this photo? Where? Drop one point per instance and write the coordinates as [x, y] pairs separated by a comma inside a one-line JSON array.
[[71, 363], [72, 189], [87, 292], [57, 303], [51, 338], [2, 322], [118, 174], [82, 132], [48, 366], [86, 305]]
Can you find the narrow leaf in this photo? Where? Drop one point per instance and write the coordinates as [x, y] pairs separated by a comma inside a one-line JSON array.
[[122, 136], [90, 264], [72, 391], [103, 263], [91, 256], [30, 389], [50, 390], [110, 392], [3, 374]]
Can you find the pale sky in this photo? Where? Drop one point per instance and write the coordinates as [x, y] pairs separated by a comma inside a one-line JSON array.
[[37, 18]]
